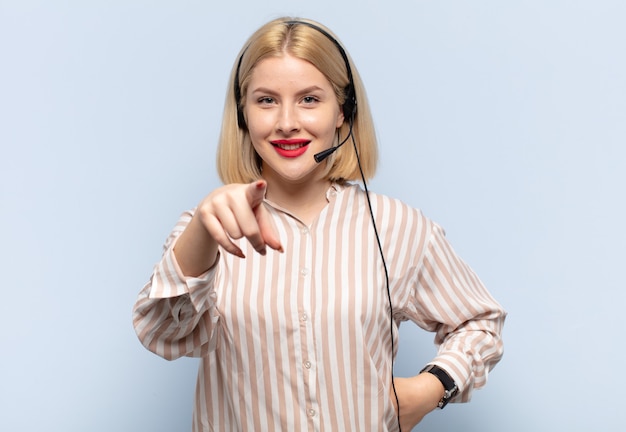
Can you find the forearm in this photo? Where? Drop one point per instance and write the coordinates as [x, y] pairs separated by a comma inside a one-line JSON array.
[[195, 250]]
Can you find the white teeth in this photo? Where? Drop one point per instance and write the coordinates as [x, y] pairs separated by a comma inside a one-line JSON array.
[[290, 146]]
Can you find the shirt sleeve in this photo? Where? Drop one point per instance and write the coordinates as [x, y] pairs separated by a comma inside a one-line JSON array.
[[175, 315], [450, 300]]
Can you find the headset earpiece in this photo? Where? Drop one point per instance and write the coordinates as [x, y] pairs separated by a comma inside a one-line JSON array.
[[349, 105]]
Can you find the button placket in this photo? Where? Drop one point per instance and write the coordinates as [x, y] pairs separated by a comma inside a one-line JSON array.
[[306, 280]]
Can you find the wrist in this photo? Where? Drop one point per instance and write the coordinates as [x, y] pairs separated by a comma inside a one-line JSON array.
[[428, 390], [448, 385], [195, 250]]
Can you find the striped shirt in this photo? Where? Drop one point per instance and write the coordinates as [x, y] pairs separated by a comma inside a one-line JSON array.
[[300, 341]]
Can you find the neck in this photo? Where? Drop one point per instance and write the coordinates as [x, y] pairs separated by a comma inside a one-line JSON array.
[[304, 200]]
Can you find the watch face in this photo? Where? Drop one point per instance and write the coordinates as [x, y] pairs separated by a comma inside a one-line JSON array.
[[447, 395]]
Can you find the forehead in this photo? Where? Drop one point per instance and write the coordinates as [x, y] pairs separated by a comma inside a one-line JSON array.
[[286, 70]]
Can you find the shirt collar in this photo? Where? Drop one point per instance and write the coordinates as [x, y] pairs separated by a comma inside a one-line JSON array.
[[331, 193]]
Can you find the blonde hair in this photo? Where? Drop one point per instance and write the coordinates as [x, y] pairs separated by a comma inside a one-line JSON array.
[[237, 161]]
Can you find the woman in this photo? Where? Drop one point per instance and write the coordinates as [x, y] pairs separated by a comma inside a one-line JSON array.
[[289, 282]]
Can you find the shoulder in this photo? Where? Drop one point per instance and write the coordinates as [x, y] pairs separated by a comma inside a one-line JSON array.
[[392, 214], [383, 203]]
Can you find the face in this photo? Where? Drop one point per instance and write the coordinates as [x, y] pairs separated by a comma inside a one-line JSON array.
[[292, 113]]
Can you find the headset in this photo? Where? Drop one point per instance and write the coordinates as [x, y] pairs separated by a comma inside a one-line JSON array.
[[349, 109], [349, 105]]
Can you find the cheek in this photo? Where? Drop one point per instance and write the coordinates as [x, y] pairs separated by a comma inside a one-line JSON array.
[[325, 123], [258, 125]]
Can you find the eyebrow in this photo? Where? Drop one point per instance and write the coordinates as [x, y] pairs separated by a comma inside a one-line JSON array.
[[310, 89]]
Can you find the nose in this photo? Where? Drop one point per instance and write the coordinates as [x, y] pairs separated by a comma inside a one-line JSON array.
[[287, 119]]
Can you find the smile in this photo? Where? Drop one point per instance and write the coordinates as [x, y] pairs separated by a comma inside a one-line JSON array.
[[291, 147]]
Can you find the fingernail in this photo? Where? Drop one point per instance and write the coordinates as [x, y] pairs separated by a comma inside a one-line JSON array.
[[263, 251]]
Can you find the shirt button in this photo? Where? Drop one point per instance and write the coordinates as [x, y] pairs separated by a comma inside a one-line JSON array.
[[311, 412], [304, 271], [304, 231], [303, 317], [307, 364]]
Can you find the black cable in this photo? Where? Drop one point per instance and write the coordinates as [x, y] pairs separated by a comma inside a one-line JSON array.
[[382, 257]]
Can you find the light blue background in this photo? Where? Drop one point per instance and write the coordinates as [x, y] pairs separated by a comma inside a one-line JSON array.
[[505, 121]]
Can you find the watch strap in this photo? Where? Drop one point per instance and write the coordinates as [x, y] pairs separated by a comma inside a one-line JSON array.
[[449, 386]]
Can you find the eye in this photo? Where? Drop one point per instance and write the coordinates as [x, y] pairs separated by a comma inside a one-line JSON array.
[[309, 100], [265, 100]]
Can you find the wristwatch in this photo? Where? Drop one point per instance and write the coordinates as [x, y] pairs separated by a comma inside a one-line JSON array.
[[449, 385]]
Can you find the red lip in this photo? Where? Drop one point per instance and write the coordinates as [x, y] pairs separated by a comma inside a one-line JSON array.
[[299, 145]]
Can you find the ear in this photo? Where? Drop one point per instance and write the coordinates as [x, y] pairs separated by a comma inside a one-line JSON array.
[[340, 118]]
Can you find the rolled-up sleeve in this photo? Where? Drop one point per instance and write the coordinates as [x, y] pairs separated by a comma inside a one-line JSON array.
[[450, 300], [174, 315]]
